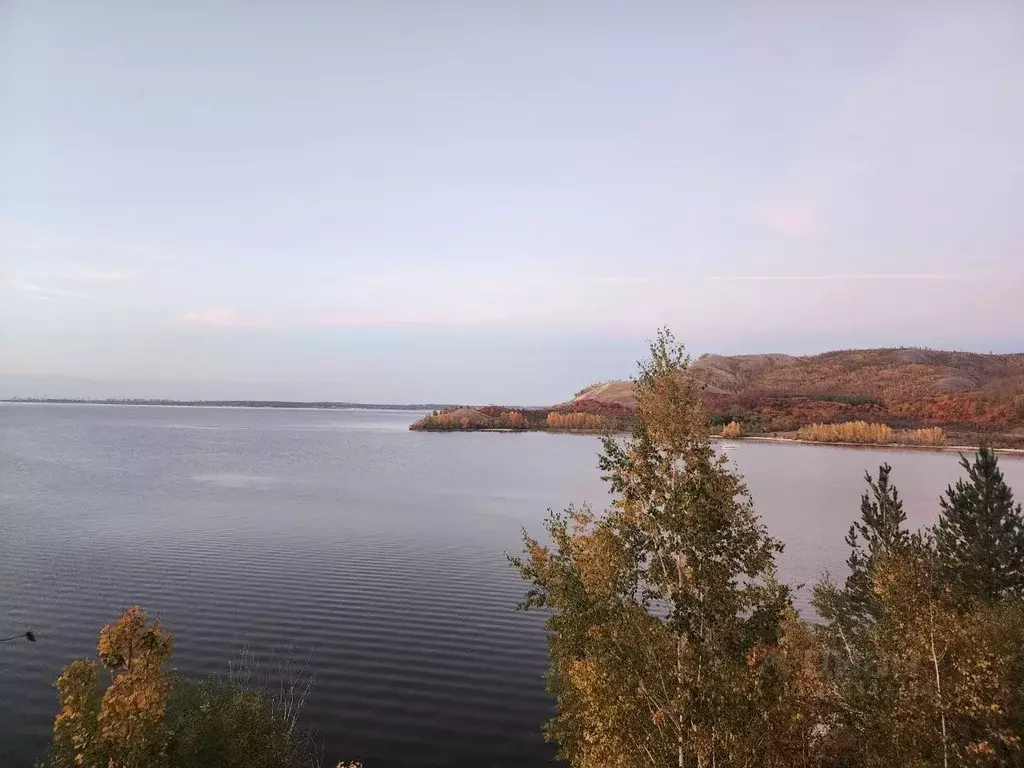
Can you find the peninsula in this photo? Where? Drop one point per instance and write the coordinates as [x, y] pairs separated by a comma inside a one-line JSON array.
[[879, 396]]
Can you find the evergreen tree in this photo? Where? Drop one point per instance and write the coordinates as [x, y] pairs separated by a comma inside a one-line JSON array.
[[666, 613], [980, 534], [879, 532], [915, 678], [934, 685]]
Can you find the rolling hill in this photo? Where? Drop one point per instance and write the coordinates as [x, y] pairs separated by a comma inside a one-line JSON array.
[[908, 388], [971, 397]]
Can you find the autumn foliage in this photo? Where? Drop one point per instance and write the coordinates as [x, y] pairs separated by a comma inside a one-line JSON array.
[[978, 397], [148, 716], [925, 436], [583, 415], [848, 432], [732, 430], [514, 419], [671, 641], [870, 434], [575, 421], [124, 723]]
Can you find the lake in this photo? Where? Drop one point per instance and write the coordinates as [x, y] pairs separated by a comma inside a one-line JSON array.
[[375, 552]]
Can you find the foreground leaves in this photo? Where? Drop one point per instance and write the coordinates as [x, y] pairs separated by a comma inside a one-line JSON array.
[[148, 716]]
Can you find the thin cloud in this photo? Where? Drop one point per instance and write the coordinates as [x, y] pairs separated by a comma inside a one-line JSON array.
[[355, 321], [219, 317], [623, 279], [98, 275], [836, 278], [46, 292]]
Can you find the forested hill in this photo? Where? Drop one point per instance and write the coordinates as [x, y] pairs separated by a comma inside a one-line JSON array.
[[971, 397], [902, 387]]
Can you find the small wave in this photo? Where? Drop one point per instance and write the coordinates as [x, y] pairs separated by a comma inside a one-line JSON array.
[[230, 480]]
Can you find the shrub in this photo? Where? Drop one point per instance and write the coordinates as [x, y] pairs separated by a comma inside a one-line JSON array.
[[929, 436], [732, 429], [848, 399], [154, 717], [455, 419], [220, 722], [876, 434], [848, 432], [571, 421], [514, 420]]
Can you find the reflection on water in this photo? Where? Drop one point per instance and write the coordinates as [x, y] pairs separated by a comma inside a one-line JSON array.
[[378, 552]]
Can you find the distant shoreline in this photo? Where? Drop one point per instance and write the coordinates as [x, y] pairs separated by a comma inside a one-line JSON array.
[[331, 405], [867, 446], [745, 438], [288, 404]]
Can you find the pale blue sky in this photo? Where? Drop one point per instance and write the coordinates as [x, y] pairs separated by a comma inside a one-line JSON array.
[[496, 201]]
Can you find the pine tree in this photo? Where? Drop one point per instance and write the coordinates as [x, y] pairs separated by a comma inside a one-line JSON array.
[[879, 531], [849, 611], [980, 534]]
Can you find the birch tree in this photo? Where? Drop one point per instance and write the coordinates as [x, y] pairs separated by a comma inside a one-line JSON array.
[[666, 614]]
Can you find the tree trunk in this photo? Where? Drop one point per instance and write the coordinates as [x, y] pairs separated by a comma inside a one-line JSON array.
[[938, 682]]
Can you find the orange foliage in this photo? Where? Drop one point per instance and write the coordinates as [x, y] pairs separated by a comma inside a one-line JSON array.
[[848, 432], [456, 419], [514, 419], [128, 719], [732, 429], [570, 421], [926, 436], [874, 434]]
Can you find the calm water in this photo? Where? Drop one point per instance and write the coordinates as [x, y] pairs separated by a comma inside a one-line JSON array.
[[376, 551]]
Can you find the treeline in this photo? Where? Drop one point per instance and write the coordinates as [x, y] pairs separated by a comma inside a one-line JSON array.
[[970, 412], [226, 403], [864, 432], [576, 421], [583, 415], [673, 643]]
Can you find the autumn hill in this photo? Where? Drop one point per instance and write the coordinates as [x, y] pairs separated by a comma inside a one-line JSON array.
[[970, 396]]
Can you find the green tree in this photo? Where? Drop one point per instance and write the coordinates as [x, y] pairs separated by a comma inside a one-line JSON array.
[[917, 677], [879, 531], [946, 683], [849, 613], [980, 533], [666, 615]]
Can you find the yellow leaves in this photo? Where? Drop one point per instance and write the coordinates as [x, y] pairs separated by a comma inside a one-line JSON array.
[[78, 693], [732, 430], [127, 718], [514, 419], [671, 406], [870, 434], [131, 639], [848, 432], [539, 554], [133, 705], [582, 518], [582, 675], [930, 436], [599, 560], [578, 421]]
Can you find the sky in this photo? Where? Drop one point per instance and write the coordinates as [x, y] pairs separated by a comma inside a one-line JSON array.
[[496, 201]]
